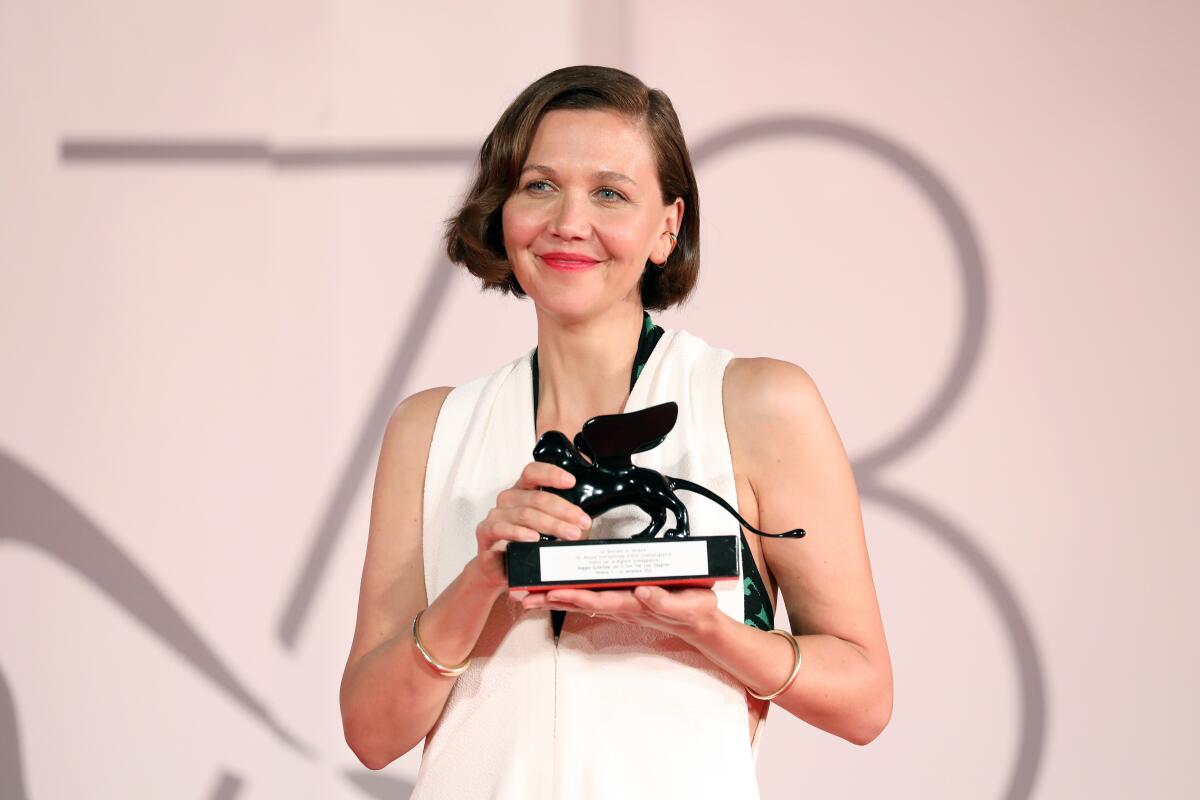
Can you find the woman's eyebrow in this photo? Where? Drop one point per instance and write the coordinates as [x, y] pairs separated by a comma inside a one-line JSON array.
[[615, 177], [605, 174]]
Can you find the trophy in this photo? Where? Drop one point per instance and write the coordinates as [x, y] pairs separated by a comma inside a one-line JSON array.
[[605, 479]]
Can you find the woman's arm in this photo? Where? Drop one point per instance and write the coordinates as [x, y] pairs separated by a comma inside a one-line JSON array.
[[785, 442], [390, 697], [783, 439]]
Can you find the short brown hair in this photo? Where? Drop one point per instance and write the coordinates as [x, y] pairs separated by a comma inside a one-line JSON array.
[[475, 235]]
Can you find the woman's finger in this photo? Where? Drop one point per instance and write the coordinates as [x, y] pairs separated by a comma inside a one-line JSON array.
[[655, 598], [546, 502], [680, 606], [496, 534], [537, 474], [539, 600], [533, 600], [538, 520], [610, 601], [645, 605]]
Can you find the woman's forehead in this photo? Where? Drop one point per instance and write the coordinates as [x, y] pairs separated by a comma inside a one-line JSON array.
[[592, 141]]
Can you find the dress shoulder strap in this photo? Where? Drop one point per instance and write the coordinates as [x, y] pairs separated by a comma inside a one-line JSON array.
[[479, 442]]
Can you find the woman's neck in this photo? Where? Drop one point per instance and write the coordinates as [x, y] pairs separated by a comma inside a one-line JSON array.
[[584, 367]]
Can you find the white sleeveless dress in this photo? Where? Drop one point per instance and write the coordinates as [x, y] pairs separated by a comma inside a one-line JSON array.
[[613, 711]]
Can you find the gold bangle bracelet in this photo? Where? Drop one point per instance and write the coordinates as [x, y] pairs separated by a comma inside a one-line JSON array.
[[442, 669], [795, 668]]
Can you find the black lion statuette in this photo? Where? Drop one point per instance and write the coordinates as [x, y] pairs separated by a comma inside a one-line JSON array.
[[607, 478]]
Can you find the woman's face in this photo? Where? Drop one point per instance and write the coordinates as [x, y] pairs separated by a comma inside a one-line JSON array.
[[587, 214]]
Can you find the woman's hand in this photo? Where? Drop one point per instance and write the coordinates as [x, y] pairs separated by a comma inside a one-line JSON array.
[[524, 511], [684, 612]]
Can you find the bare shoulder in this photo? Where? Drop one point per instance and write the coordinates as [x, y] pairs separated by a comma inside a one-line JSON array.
[[802, 477], [781, 432], [417, 414], [403, 455], [780, 427], [404, 452], [392, 587], [773, 376], [400, 475], [762, 395]]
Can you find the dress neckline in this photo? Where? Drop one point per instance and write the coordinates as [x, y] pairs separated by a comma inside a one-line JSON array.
[[647, 338]]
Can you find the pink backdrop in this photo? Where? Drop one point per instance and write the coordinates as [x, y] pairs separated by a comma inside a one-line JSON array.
[[974, 225]]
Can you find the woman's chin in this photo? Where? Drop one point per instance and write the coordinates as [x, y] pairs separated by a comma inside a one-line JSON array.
[[571, 306], [574, 301], [568, 309]]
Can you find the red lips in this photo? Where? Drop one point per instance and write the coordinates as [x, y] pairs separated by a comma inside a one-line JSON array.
[[568, 262]]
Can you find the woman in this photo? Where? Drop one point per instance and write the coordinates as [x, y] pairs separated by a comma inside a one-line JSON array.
[[586, 203]]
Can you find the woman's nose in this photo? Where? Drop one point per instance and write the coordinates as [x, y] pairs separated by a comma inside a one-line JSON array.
[[570, 218]]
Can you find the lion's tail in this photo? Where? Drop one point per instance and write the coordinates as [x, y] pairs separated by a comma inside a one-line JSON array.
[[680, 483]]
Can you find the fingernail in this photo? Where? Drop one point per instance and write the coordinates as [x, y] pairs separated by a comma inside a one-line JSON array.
[[585, 521], [518, 595], [574, 533]]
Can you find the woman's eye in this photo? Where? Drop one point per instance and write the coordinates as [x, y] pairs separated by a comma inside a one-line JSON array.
[[610, 194], [537, 186]]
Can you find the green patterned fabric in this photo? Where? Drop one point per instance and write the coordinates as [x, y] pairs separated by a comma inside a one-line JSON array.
[[759, 613]]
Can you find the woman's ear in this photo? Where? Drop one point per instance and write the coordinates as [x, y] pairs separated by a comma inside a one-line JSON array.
[[669, 238], [674, 217], [677, 209]]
